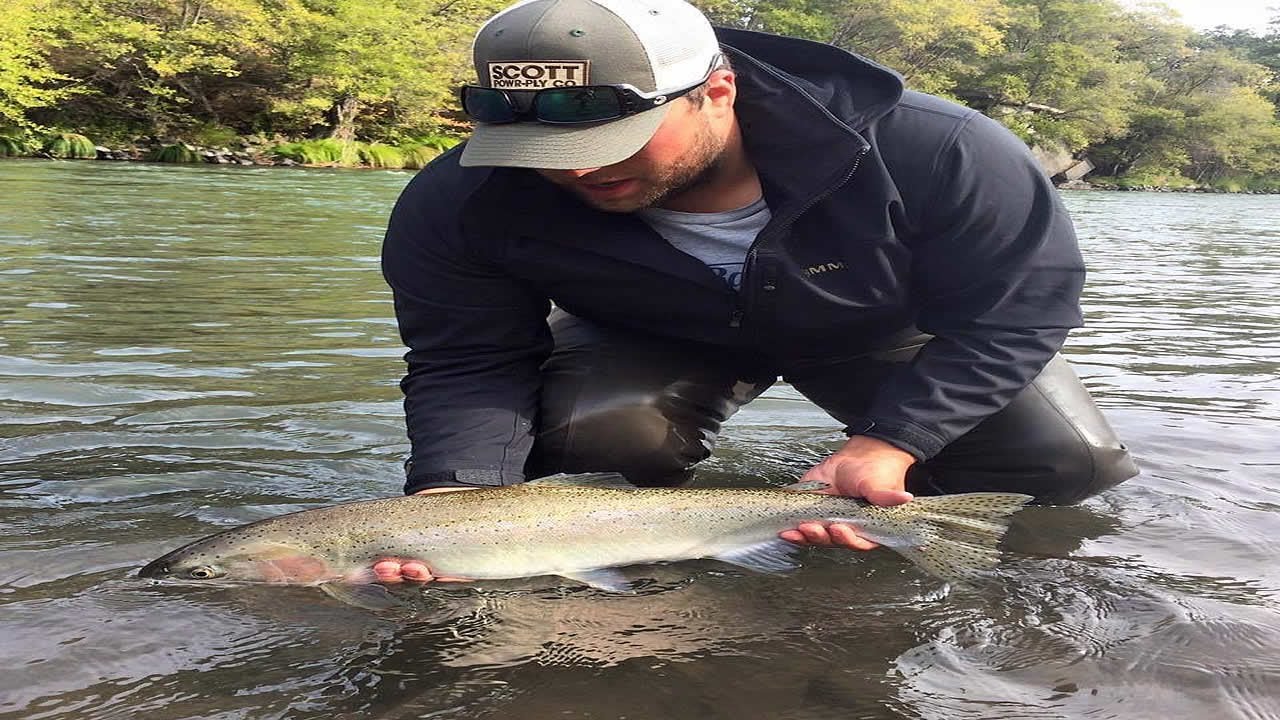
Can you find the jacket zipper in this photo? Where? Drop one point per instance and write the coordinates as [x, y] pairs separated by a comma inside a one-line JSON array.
[[739, 309], [739, 305]]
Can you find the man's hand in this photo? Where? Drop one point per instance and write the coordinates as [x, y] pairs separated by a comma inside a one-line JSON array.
[[394, 570], [865, 467]]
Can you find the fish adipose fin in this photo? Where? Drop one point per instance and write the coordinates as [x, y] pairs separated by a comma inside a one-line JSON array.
[[954, 537], [598, 480], [770, 556], [606, 579]]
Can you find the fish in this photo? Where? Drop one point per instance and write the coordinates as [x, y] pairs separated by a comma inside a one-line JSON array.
[[584, 527]]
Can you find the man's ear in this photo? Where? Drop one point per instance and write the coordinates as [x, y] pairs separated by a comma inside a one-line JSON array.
[[721, 89]]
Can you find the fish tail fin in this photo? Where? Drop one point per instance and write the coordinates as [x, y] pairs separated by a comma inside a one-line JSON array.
[[955, 537]]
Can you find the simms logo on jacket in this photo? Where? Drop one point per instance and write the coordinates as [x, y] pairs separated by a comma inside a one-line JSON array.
[[823, 267], [537, 75]]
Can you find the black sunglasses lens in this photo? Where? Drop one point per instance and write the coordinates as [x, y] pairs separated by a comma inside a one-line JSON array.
[[577, 105], [487, 105]]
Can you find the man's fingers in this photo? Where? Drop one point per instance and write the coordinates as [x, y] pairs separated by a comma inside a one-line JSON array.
[[845, 536], [811, 533], [886, 497], [387, 571], [394, 571], [828, 535], [415, 571], [815, 533]]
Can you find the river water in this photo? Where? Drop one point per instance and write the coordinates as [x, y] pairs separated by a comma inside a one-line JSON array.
[[185, 349]]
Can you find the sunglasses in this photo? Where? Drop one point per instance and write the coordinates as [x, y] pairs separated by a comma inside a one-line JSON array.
[[573, 105]]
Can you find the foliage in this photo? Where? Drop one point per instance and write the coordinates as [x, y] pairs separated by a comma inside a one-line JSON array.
[[1142, 95], [440, 143], [928, 41], [176, 153], [211, 135], [328, 153], [381, 156], [1247, 183], [11, 146], [1142, 180], [417, 157], [70, 145], [1065, 55], [28, 79]]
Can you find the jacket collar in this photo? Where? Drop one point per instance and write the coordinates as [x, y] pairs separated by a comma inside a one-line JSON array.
[[801, 105]]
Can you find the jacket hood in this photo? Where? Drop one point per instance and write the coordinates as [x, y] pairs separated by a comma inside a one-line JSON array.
[[852, 88]]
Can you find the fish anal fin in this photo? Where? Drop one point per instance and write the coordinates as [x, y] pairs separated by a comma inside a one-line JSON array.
[[598, 480], [607, 579], [369, 597], [770, 556]]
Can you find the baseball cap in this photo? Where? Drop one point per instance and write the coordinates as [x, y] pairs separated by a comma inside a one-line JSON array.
[[655, 46]]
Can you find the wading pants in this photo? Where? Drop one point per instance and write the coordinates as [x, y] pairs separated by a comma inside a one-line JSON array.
[[651, 409]]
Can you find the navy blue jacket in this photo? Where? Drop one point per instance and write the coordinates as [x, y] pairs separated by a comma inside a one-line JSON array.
[[891, 208]]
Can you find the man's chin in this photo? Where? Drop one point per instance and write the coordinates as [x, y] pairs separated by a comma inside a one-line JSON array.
[[627, 204]]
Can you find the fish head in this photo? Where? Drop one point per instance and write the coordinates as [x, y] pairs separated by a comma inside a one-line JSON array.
[[255, 561]]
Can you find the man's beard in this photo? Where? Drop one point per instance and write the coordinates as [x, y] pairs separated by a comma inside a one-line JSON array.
[[696, 168], [703, 164]]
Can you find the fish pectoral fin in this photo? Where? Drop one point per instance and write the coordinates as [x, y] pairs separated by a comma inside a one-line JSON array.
[[598, 480], [369, 597], [770, 556], [607, 579]]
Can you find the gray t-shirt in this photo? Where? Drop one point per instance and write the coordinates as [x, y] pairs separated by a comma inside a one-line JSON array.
[[719, 239]]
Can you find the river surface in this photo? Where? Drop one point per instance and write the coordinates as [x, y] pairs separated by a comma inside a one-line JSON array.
[[186, 349]]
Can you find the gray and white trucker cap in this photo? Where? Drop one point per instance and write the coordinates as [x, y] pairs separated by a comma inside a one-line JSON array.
[[652, 45]]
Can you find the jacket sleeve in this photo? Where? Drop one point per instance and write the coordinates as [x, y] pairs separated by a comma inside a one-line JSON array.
[[476, 340], [996, 276]]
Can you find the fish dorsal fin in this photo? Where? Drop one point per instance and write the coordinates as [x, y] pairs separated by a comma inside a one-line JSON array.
[[597, 480], [770, 556]]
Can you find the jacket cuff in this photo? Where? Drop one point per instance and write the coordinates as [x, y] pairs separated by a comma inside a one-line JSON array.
[[903, 435], [457, 478]]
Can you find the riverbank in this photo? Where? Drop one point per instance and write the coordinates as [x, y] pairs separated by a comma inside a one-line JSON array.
[[258, 151], [253, 151], [1112, 184]]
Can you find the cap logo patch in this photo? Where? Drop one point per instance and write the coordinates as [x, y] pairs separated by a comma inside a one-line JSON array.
[[537, 75]]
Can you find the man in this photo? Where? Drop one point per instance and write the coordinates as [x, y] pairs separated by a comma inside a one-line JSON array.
[[709, 211]]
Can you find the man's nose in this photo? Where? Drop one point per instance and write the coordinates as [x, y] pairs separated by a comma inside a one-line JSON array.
[[579, 174]]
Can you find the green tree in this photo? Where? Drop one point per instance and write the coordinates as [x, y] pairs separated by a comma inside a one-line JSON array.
[[928, 41], [1263, 50], [1066, 74], [152, 65], [390, 64], [27, 79]]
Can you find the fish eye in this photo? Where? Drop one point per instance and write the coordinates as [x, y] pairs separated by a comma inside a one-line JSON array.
[[204, 572]]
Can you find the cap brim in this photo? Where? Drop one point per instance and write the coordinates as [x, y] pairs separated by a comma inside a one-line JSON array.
[[561, 147]]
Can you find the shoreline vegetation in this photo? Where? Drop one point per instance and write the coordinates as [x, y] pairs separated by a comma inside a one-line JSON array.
[[1107, 96], [250, 151], [253, 152]]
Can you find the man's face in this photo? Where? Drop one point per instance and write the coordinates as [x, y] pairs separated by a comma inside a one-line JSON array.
[[679, 156]]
